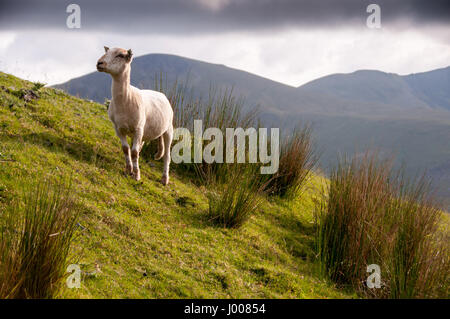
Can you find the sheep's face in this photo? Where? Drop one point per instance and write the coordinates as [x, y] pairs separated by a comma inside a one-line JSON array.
[[115, 61]]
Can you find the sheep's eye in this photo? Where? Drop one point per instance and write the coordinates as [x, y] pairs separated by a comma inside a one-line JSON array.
[[120, 56]]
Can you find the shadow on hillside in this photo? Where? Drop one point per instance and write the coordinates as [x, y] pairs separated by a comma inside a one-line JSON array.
[[296, 235], [77, 149], [285, 229]]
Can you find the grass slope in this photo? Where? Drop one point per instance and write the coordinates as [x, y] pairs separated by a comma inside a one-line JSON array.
[[140, 239]]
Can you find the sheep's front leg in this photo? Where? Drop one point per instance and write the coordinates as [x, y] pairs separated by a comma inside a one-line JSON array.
[[137, 143], [126, 152]]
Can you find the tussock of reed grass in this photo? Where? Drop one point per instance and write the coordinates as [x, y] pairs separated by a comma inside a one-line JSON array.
[[35, 237], [374, 215], [298, 157], [220, 109], [232, 201]]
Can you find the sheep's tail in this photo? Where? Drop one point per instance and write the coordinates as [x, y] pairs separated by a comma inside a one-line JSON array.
[[160, 152]]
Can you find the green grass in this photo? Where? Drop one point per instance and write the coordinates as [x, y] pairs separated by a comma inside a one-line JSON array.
[[140, 239]]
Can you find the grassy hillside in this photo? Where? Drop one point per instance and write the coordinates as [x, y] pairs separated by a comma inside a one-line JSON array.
[[140, 239]]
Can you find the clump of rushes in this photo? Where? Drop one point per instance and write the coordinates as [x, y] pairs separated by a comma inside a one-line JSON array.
[[298, 158], [220, 109], [232, 201], [374, 215], [420, 265], [37, 86], [35, 237], [357, 193]]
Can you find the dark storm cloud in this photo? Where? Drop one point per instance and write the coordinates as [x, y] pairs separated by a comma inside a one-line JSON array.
[[200, 16]]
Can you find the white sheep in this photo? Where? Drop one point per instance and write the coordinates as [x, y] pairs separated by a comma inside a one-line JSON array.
[[144, 115]]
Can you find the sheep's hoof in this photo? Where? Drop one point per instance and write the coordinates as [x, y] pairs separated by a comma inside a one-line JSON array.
[[137, 175], [128, 170], [165, 180]]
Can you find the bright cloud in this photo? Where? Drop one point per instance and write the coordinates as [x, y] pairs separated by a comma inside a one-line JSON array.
[[292, 56]]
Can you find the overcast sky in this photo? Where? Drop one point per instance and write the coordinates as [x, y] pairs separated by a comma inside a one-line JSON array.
[[291, 41]]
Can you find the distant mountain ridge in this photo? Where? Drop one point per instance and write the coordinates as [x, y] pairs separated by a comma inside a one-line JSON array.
[[432, 87], [420, 90], [408, 116], [375, 90], [200, 75]]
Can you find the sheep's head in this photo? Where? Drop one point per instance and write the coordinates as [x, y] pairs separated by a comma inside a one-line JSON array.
[[115, 61]]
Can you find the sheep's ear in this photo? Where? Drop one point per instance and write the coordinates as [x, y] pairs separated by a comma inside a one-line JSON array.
[[106, 49], [130, 54]]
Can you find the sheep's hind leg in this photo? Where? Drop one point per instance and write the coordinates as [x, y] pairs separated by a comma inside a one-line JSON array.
[[167, 136], [137, 143], [160, 152]]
